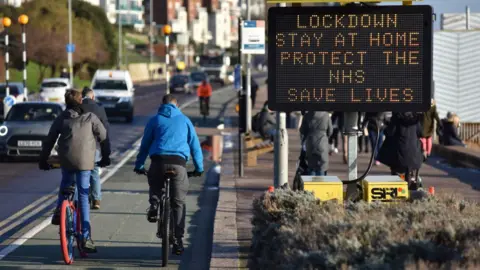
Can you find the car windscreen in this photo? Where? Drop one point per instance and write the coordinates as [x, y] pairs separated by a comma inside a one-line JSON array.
[[54, 84], [110, 85], [180, 80], [33, 112], [198, 76], [14, 90]]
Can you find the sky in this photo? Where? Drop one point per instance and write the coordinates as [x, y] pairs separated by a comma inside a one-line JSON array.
[[447, 6]]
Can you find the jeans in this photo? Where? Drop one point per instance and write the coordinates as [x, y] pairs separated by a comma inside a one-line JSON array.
[[95, 184], [317, 173], [82, 179], [372, 134], [178, 191]]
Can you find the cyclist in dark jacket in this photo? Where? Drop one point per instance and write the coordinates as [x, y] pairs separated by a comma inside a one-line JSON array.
[[79, 133]]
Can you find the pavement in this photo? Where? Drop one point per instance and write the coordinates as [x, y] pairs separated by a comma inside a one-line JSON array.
[[232, 237]]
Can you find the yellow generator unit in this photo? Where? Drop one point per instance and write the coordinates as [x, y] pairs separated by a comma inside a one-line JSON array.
[[384, 188], [325, 188]]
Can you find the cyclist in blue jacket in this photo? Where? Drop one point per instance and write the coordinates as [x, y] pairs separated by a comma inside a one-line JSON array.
[[169, 139]]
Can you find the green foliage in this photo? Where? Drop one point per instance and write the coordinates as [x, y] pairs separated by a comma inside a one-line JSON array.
[[293, 230]]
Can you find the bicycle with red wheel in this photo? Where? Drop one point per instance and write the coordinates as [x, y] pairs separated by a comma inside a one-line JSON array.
[[70, 226]]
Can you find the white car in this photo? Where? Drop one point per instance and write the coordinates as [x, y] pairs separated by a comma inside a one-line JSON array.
[[16, 89], [53, 89]]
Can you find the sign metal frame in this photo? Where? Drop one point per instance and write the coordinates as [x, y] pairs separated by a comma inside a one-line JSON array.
[[426, 10]]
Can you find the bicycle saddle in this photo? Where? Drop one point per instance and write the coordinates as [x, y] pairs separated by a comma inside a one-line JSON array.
[[170, 173]]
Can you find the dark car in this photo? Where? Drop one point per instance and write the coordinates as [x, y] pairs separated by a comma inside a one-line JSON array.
[[179, 83], [196, 78], [25, 128]]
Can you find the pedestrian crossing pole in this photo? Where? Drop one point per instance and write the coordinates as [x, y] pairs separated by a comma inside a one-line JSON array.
[[23, 20], [6, 24], [167, 30]]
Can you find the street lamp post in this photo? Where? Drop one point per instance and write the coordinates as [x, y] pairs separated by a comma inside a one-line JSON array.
[[70, 42], [167, 30], [6, 23], [23, 20]]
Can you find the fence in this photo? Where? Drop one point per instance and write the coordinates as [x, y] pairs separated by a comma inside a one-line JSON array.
[[470, 132]]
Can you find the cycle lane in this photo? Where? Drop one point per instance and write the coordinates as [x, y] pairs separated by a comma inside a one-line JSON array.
[[124, 237]]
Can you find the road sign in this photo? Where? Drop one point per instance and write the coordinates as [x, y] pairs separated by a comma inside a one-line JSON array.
[[253, 37], [9, 101], [237, 77], [369, 59], [70, 48]]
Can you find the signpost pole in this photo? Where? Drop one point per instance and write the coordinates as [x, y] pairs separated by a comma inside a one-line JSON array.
[[351, 130], [281, 146], [249, 84]]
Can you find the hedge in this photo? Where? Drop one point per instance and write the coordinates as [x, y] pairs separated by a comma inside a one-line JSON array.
[[293, 230]]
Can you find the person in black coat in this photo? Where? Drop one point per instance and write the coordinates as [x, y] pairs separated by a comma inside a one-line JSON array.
[[450, 131], [402, 149], [89, 105]]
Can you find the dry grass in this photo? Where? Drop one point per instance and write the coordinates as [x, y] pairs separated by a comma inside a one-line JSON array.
[[295, 231]]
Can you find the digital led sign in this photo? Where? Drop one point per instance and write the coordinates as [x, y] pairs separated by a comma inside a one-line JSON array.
[[365, 58]]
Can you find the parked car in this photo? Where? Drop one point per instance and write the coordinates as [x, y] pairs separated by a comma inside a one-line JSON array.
[[196, 79], [179, 83], [16, 90], [53, 89], [115, 92], [25, 128]]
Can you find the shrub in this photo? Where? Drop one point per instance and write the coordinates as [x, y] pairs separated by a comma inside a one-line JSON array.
[[293, 230]]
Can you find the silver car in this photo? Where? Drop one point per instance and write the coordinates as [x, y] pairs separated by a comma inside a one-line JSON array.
[[25, 128]]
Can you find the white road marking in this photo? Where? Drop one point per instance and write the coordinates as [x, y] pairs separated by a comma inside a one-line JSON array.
[[32, 232]]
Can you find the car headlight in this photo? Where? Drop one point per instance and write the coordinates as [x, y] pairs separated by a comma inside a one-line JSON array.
[[124, 99], [3, 130]]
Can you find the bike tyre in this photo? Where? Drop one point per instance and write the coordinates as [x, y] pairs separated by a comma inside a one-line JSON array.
[[66, 225], [165, 232]]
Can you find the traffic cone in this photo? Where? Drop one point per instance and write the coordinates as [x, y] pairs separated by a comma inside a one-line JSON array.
[[271, 189], [431, 191]]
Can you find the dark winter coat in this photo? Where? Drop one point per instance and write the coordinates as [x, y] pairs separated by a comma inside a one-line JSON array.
[[316, 129], [89, 105], [77, 134], [370, 120], [427, 122], [266, 123], [450, 134], [402, 150]]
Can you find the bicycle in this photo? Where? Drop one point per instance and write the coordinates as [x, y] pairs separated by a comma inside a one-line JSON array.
[[164, 215]]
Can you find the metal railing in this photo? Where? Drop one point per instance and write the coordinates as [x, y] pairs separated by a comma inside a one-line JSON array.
[[470, 132]]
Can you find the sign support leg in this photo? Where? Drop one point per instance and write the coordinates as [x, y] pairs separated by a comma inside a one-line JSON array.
[[351, 130]]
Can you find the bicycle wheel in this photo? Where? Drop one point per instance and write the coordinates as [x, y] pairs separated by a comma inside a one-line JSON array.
[[67, 231], [165, 231]]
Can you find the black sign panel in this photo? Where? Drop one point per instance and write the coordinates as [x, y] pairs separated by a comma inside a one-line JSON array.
[[350, 58]]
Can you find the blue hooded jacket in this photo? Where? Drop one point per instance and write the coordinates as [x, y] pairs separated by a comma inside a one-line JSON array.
[[170, 132]]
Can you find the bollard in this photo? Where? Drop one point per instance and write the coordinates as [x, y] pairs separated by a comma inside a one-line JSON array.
[[431, 190]]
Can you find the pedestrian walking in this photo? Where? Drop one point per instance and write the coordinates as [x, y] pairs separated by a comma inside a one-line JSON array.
[[375, 124], [402, 150], [316, 129], [89, 105], [428, 128]]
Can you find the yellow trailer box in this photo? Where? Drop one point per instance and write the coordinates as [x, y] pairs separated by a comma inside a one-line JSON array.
[[384, 188], [324, 188]]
